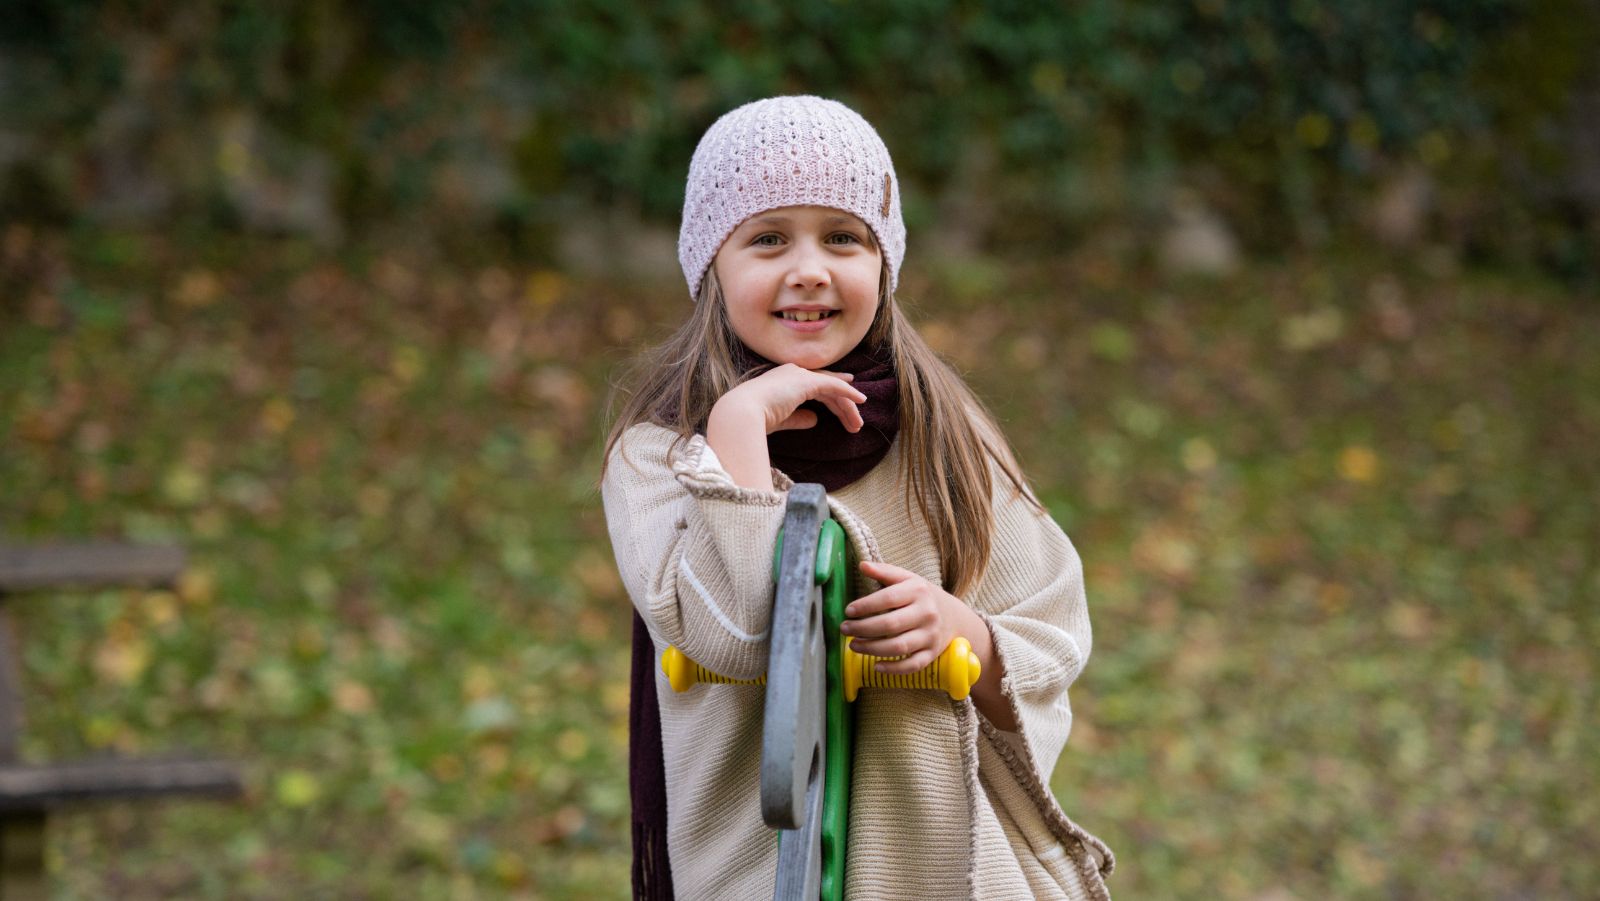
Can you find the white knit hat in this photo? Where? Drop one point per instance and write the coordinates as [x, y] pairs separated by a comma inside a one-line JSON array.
[[787, 151]]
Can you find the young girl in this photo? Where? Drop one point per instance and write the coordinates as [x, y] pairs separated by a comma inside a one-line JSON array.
[[796, 364]]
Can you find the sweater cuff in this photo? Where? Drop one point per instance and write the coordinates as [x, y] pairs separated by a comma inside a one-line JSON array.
[[1014, 686], [699, 470]]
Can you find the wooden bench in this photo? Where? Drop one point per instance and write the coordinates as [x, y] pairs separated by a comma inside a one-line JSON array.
[[30, 792]]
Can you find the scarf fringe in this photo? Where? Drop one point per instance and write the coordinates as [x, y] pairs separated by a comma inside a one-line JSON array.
[[647, 778], [652, 876]]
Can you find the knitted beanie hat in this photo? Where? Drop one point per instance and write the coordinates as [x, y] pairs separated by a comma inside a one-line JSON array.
[[787, 151]]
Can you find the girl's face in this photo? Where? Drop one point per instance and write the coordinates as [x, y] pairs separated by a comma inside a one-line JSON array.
[[801, 283]]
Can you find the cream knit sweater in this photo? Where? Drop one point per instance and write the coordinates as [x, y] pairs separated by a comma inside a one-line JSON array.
[[942, 803]]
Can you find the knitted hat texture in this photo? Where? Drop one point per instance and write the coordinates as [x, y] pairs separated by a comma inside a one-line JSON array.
[[797, 150]]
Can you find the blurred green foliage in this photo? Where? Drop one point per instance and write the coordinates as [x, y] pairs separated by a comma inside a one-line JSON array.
[[1287, 116]]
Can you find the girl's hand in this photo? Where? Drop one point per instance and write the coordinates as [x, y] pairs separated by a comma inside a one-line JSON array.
[[910, 616], [917, 618], [777, 394]]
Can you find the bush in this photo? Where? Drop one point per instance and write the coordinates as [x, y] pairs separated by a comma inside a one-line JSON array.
[[1286, 117]]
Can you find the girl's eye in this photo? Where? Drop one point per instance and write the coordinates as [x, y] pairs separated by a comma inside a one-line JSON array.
[[761, 240]]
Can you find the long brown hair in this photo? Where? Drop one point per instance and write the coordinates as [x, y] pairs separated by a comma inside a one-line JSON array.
[[946, 434]]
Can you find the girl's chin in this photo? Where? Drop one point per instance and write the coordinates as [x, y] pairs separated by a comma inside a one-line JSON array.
[[812, 354], [808, 360]]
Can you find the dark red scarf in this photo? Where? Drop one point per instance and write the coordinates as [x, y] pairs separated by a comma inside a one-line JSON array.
[[825, 453], [828, 454]]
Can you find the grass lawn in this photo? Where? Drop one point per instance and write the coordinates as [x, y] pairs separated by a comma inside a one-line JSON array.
[[1338, 518]]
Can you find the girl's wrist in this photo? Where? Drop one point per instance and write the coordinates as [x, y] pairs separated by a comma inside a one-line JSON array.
[[732, 406], [733, 415], [970, 626], [986, 694], [736, 432]]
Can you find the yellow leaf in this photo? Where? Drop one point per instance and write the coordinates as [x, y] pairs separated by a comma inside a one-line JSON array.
[[277, 415], [297, 788], [122, 660], [160, 607], [184, 485], [1358, 464], [197, 585]]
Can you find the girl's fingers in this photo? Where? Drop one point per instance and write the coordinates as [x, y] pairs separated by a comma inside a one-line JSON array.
[[886, 573], [790, 386], [883, 599], [852, 418], [884, 625], [832, 392], [915, 662], [837, 386], [842, 399], [908, 644], [847, 413], [799, 419], [849, 397]]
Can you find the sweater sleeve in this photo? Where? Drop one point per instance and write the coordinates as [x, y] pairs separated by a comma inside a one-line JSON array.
[[1032, 598], [694, 549]]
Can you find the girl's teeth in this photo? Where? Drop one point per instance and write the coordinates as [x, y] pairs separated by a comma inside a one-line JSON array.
[[804, 316]]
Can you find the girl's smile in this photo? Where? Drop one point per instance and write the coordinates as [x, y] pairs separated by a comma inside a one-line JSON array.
[[801, 283], [807, 318]]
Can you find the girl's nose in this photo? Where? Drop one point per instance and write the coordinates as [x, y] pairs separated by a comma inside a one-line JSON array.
[[810, 269]]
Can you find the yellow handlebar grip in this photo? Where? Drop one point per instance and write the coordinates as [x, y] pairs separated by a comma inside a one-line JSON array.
[[683, 672], [955, 672]]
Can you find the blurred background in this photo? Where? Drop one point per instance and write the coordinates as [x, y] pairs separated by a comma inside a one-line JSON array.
[[1290, 308]]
